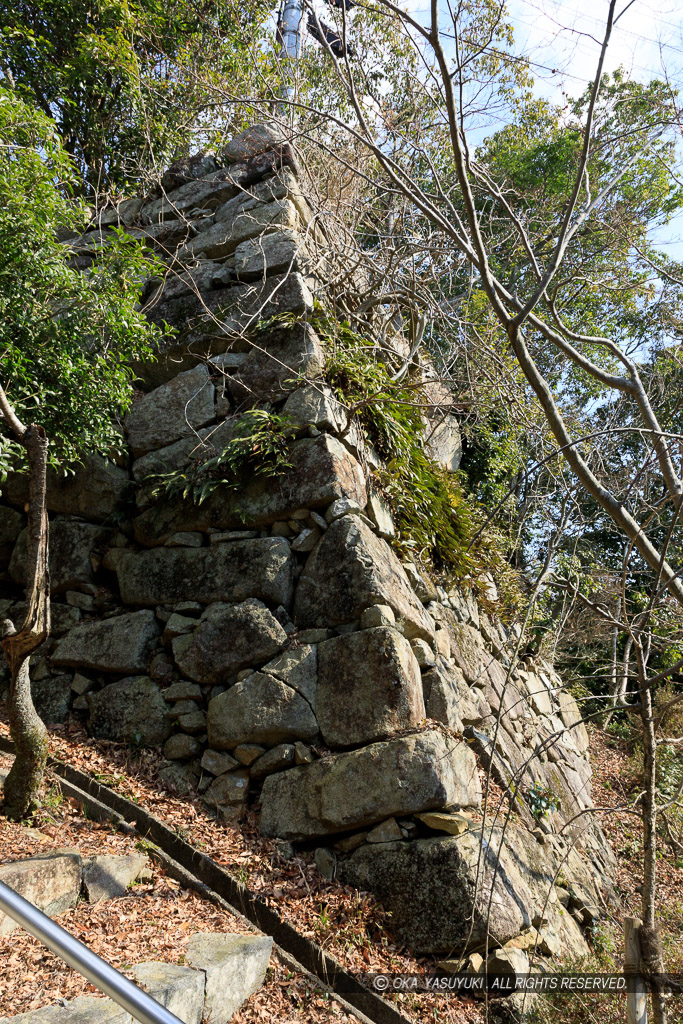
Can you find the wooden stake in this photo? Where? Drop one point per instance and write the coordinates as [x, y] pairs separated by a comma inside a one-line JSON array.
[[636, 995]]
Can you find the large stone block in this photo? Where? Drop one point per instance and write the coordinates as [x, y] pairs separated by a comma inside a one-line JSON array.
[[120, 644], [234, 965], [422, 772], [94, 490], [250, 220], [108, 876], [277, 253], [179, 989], [321, 471], [130, 711], [369, 687], [259, 709], [254, 140], [298, 667], [365, 572], [171, 411], [50, 881], [227, 639], [277, 358], [71, 546], [449, 699], [261, 568], [52, 697], [462, 889]]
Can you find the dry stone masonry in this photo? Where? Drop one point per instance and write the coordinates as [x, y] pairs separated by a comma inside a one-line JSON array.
[[270, 637]]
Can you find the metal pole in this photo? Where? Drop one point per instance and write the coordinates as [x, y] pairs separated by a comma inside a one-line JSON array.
[[101, 974], [292, 15]]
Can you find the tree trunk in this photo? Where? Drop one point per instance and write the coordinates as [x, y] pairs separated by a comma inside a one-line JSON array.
[[24, 782]]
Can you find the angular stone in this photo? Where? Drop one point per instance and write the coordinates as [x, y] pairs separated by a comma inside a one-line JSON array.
[[50, 881], [185, 540], [366, 572], [276, 360], [377, 615], [235, 966], [386, 832], [342, 507], [351, 790], [52, 698], [94, 490], [260, 709], [423, 653], [315, 405], [181, 747], [228, 793], [120, 644], [171, 411], [369, 687], [454, 824], [183, 690], [279, 252], [443, 442], [321, 470], [261, 568], [10, 525], [380, 514], [217, 762], [306, 540], [252, 141], [131, 710], [179, 778], [247, 753], [91, 1010], [274, 760], [71, 546], [180, 989], [448, 698], [107, 876], [298, 667], [227, 639], [450, 881], [250, 221]]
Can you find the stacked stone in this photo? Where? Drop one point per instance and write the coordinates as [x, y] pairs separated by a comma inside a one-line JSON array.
[[271, 639]]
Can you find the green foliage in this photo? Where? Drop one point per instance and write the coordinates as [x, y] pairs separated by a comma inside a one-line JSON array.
[[66, 338], [542, 801], [123, 78], [258, 447]]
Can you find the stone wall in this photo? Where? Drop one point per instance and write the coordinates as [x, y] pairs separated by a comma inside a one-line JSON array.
[[271, 638]]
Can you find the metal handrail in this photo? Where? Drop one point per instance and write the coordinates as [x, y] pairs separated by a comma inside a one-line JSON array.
[[101, 974]]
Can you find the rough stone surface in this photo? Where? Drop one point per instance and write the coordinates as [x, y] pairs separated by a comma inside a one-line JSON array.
[[252, 220], [440, 875], [120, 644], [298, 668], [71, 546], [259, 709], [448, 698], [181, 747], [217, 762], [261, 568], [227, 639], [369, 687], [171, 411], [274, 760], [50, 881], [180, 989], [228, 794], [358, 788], [254, 140], [274, 253], [315, 405], [321, 471], [108, 876], [366, 572], [235, 966], [52, 698], [94, 490], [130, 710], [274, 362]]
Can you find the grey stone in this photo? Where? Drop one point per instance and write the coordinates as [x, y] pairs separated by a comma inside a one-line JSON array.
[[315, 405], [235, 966], [183, 690], [250, 221], [366, 572], [351, 790], [306, 540], [278, 252], [193, 722], [342, 507], [247, 753], [181, 747], [131, 710], [448, 698], [377, 615], [207, 193], [179, 989], [185, 540], [52, 698], [369, 687], [171, 411], [179, 778], [451, 909], [260, 709], [217, 762], [277, 359], [274, 760], [302, 753], [423, 653], [257, 139], [379, 513], [227, 639], [298, 667], [10, 526], [452, 823], [50, 881], [443, 442], [91, 1010], [81, 684], [95, 489], [321, 470], [227, 794], [386, 832], [120, 644], [176, 625], [107, 876], [420, 582]]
